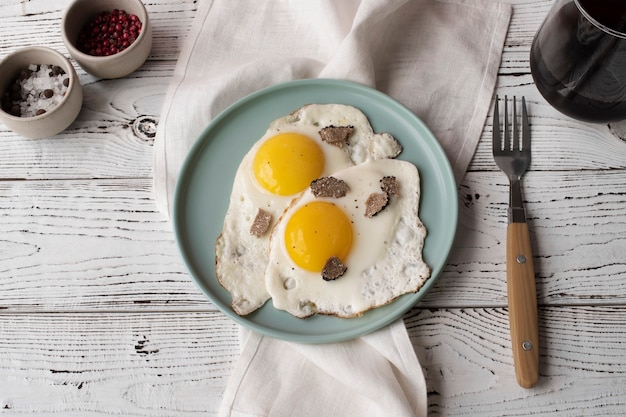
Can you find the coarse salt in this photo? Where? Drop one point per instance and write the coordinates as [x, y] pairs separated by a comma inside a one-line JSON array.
[[37, 90]]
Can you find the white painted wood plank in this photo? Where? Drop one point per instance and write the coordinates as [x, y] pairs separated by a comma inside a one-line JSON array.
[[469, 368], [578, 230], [178, 364], [80, 245], [558, 142], [97, 365], [89, 245]]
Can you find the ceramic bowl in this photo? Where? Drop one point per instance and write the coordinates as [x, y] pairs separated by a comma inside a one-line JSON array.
[[116, 65], [57, 117]]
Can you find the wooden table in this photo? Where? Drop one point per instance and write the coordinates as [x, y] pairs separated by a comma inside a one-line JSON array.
[[98, 315]]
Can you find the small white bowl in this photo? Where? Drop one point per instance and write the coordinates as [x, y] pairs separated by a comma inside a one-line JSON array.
[[120, 64], [55, 119]]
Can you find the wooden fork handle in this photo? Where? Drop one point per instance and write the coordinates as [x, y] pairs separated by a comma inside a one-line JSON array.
[[522, 296]]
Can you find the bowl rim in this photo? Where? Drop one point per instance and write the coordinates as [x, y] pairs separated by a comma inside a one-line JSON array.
[[72, 74], [73, 49]]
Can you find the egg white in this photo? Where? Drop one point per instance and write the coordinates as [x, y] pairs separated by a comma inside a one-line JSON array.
[[386, 257], [241, 258]]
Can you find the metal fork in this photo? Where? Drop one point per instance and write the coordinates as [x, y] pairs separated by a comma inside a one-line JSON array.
[[513, 158]]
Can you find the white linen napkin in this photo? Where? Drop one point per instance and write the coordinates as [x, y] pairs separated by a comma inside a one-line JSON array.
[[374, 375], [438, 57]]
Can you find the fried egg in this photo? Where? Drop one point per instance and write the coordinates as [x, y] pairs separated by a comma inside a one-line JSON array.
[[277, 168], [381, 253]]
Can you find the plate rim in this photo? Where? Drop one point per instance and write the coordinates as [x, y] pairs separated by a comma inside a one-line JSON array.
[[404, 302]]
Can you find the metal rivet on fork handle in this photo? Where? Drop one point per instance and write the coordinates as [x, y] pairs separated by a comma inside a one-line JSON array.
[[527, 345]]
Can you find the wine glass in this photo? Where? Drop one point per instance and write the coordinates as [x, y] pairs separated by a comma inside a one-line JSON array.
[[578, 59]]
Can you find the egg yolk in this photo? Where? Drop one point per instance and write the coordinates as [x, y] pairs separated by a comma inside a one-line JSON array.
[[286, 163], [316, 232]]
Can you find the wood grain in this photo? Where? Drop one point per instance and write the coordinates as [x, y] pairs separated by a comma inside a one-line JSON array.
[[171, 364], [576, 225], [84, 244], [117, 364], [582, 365], [76, 245]]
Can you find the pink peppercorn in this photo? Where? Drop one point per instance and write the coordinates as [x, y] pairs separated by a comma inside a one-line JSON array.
[[109, 33]]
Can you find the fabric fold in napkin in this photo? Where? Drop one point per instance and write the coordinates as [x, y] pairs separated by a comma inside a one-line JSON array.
[[375, 375], [438, 57]]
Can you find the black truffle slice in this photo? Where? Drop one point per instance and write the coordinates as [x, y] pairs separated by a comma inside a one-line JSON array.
[[261, 223], [336, 135], [329, 187], [389, 185], [375, 203], [333, 269]]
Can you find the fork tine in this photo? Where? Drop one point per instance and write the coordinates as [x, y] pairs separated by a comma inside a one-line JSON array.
[[507, 136], [525, 126], [495, 145], [516, 142]]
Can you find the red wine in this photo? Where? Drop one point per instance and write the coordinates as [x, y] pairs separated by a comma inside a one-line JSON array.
[[579, 65]]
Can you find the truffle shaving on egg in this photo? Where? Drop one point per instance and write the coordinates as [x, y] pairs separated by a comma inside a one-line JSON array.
[[389, 185], [375, 203], [336, 135], [261, 223], [329, 187], [333, 269]]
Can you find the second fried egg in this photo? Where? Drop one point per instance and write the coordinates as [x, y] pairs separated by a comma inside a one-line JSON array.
[[380, 252]]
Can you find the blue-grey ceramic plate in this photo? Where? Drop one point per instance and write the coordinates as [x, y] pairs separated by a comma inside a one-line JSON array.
[[205, 182]]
